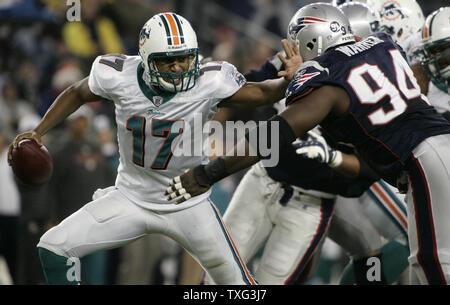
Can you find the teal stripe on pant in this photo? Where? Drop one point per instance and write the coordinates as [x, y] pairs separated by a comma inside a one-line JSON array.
[[248, 279]]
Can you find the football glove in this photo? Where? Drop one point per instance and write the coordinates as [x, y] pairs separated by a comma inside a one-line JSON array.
[[316, 148]]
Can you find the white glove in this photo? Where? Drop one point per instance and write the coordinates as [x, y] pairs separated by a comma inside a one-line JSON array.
[[317, 148]]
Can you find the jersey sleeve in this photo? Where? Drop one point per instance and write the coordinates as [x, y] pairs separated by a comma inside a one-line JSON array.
[[101, 79], [227, 80], [310, 75]]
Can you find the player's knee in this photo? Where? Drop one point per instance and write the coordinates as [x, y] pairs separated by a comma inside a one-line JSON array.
[[54, 240], [220, 268], [212, 259]]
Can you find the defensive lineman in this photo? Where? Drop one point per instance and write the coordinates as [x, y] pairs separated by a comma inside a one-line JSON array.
[[375, 104], [156, 96]]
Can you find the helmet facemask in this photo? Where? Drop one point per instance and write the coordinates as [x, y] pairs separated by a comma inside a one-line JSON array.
[[174, 81], [437, 62]]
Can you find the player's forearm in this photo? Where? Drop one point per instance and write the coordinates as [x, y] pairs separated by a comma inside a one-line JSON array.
[[249, 151], [353, 166], [235, 162], [221, 167], [349, 167], [65, 104], [273, 90], [256, 94]]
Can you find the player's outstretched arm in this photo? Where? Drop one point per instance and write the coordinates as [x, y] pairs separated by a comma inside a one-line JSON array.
[[254, 94], [296, 120], [66, 103]]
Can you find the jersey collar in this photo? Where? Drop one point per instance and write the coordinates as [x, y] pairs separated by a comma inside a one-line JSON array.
[[156, 98]]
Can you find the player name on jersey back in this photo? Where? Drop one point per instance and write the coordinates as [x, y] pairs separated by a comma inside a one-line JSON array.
[[359, 47]]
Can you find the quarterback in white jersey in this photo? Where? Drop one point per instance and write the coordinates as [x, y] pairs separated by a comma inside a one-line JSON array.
[[157, 96], [147, 131]]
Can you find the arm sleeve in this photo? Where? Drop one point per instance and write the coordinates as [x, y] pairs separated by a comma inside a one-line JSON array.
[[228, 80], [98, 79]]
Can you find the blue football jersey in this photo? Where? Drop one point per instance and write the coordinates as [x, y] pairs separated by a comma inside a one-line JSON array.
[[388, 116], [306, 173]]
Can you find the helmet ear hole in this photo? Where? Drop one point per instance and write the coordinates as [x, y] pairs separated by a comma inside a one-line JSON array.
[[310, 46], [400, 32]]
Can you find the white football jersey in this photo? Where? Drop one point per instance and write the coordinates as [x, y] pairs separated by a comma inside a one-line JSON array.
[[152, 128]]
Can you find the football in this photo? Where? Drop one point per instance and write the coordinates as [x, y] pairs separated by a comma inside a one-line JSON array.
[[32, 164]]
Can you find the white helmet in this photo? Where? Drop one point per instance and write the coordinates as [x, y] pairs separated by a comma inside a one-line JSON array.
[[370, 3], [317, 27], [168, 35], [436, 47], [363, 19], [400, 18]]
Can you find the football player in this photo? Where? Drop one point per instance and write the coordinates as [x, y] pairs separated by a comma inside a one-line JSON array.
[[286, 214], [381, 204], [436, 59], [363, 93], [157, 95]]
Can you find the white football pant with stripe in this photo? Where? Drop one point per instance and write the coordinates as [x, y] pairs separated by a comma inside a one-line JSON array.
[[291, 232], [385, 207], [112, 221], [429, 211], [359, 223]]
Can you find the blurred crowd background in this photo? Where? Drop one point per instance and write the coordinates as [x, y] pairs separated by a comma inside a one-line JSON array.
[[42, 53]]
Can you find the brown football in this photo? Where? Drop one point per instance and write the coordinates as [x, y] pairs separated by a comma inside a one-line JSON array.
[[32, 164]]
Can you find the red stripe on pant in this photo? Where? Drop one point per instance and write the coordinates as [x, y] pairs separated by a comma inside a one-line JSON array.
[[326, 209], [427, 253]]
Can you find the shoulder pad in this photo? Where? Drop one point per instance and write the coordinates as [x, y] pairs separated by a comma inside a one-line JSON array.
[[310, 75]]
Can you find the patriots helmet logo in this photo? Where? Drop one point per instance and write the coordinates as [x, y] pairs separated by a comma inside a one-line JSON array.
[[294, 28]]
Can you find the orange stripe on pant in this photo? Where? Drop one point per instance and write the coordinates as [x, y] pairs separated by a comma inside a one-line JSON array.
[[389, 203]]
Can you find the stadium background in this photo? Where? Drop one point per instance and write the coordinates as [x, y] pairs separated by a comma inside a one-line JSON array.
[[41, 53]]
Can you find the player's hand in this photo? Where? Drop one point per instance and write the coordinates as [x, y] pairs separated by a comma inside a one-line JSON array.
[[26, 135], [292, 61], [317, 148], [185, 186]]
